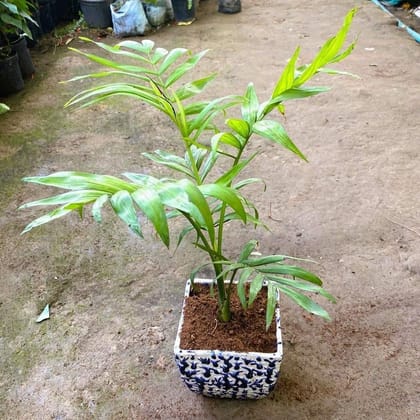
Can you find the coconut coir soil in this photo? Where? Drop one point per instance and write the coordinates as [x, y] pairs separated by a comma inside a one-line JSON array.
[[245, 332]]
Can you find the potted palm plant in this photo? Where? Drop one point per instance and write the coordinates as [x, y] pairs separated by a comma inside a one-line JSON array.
[[207, 191]]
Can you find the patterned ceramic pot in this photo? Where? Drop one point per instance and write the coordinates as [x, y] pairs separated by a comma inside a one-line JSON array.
[[228, 374]]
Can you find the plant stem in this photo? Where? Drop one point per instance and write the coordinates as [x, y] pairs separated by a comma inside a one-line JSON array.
[[197, 176], [224, 293], [224, 312]]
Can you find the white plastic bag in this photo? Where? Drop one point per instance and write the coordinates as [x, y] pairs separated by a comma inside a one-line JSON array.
[[128, 18]]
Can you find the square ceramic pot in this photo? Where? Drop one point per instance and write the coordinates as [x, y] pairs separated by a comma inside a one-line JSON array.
[[228, 374]]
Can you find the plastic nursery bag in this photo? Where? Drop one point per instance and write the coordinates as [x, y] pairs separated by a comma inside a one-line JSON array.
[[128, 18], [156, 13]]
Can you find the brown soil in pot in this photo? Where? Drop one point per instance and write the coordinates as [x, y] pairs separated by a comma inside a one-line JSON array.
[[246, 331]]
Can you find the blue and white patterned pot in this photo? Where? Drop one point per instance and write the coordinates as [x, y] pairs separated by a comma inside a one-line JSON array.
[[228, 374]]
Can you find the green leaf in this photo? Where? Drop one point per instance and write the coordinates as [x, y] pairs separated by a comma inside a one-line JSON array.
[[246, 250], [255, 288], [193, 88], [150, 203], [11, 7], [229, 176], [339, 72], [171, 58], [198, 156], [250, 106], [82, 181], [287, 78], [344, 54], [11, 20], [108, 73], [195, 108], [228, 195], [184, 68], [100, 93], [196, 197], [196, 270], [122, 203], [96, 93], [116, 49], [158, 55], [169, 160], [166, 104], [97, 206], [243, 278], [230, 267], [227, 138], [181, 120], [249, 218], [52, 215], [248, 181], [271, 305], [291, 94], [211, 159], [329, 52], [144, 47], [174, 196], [212, 109], [3, 108], [114, 64], [291, 270], [81, 197], [239, 126], [274, 131], [142, 179], [302, 285], [305, 302], [271, 259], [183, 234]]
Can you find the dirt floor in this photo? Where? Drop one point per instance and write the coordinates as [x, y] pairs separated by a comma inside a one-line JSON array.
[[106, 351]]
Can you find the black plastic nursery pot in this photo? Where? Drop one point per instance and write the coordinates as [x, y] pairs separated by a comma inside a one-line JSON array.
[[229, 6], [24, 56], [97, 13], [48, 15], [67, 10], [11, 80], [182, 12], [36, 30]]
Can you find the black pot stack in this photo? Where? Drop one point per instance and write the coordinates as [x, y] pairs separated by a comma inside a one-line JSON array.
[[18, 65]]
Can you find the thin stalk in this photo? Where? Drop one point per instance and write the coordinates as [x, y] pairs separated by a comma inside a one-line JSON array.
[[177, 112], [232, 277], [192, 161], [224, 294], [223, 209], [214, 257]]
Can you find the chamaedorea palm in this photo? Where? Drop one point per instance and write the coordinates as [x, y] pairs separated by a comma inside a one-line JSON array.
[[206, 205]]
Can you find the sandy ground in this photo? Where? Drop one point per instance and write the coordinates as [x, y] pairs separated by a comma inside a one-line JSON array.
[[106, 351]]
